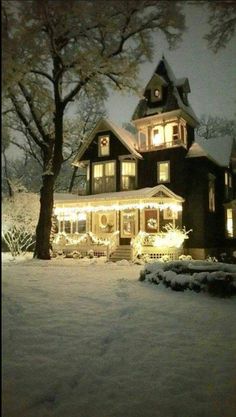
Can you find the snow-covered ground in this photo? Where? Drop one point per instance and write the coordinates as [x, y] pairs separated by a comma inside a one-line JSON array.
[[88, 339]]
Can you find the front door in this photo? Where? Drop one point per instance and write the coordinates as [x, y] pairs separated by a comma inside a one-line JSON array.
[[128, 226]]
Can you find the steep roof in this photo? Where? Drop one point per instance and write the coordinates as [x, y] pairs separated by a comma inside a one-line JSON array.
[[126, 138], [173, 101], [218, 150]]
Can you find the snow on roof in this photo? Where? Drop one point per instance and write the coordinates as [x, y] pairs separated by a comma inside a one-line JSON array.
[[128, 140], [142, 193], [216, 149]]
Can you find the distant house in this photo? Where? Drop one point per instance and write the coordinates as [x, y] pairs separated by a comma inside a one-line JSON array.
[[142, 190]]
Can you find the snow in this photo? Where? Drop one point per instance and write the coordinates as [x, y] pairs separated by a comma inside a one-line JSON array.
[[86, 338], [217, 149]]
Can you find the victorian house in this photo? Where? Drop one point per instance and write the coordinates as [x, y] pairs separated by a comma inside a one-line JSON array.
[[156, 192]]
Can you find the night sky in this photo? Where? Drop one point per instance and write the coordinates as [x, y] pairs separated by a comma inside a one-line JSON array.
[[212, 77]]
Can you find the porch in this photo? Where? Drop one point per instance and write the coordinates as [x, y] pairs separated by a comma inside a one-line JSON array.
[[149, 221]]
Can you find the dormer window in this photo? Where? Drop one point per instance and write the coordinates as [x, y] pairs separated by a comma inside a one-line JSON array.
[[104, 146], [157, 93]]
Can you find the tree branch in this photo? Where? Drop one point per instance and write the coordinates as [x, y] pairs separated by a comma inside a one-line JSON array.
[[26, 123], [37, 122]]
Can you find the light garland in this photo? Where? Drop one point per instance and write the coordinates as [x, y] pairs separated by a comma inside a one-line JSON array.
[[75, 211]]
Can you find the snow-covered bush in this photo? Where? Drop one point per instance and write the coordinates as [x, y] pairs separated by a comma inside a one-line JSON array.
[[90, 254], [215, 278], [19, 219]]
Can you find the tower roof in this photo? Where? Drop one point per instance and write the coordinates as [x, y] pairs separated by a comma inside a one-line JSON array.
[[174, 94]]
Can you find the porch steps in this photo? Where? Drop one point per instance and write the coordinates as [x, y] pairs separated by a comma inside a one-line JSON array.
[[121, 252]]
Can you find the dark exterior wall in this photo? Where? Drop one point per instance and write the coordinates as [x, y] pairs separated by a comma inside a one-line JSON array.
[[208, 227], [147, 169], [116, 149]]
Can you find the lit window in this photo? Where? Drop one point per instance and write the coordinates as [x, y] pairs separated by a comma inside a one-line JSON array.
[[104, 177], [175, 133], [226, 178], [229, 222], [157, 139], [104, 146], [128, 175], [98, 171], [163, 171], [211, 193], [109, 169]]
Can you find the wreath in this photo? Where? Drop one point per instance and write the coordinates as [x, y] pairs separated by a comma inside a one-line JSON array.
[[152, 223]]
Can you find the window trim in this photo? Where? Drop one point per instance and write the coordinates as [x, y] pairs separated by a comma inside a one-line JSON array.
[[158, 172]]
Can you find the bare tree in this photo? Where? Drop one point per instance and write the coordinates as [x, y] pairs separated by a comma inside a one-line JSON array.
[[214, 126]]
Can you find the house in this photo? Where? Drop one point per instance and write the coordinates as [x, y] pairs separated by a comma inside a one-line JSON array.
[[157, 192]]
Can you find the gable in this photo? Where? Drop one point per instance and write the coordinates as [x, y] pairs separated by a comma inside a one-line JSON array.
[[126, 140]]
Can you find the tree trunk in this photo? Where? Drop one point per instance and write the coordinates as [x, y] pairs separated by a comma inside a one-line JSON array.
[[43, 230], [72, 179]]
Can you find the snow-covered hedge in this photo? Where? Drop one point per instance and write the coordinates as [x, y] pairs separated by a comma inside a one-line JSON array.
[[215, 278]]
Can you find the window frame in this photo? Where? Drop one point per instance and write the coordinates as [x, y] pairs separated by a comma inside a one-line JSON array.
[[100, 137], [133, 161], [158, 172]]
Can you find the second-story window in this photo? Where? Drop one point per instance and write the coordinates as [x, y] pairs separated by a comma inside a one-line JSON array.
[[104, 146], [104, 177], [163, 171], [128, 175], [211, 193]]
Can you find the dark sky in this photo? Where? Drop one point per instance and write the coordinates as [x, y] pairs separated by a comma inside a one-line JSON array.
[[212, 77]]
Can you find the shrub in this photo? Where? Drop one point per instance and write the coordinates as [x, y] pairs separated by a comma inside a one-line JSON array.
[[196, 276]]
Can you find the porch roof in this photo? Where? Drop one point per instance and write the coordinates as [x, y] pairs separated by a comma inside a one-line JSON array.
[[159, 192]]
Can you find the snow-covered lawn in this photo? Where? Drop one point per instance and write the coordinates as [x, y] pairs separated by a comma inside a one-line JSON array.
[[88, 339]]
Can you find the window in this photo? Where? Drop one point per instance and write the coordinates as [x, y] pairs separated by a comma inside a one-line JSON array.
[[175, 133], [104, 177], [163, 171], [211, 192], [128, 175], [157, 138], [229, 222], [143, 139], [157, 93], [103, 146], [169, 214]]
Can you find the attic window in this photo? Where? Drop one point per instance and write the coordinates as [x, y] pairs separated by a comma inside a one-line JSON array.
[[103, 146], [157, 93]]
